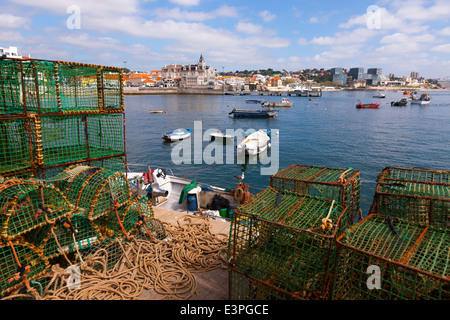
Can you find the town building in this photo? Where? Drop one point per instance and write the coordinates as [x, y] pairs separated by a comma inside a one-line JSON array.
[[198, 74], [357, 73]]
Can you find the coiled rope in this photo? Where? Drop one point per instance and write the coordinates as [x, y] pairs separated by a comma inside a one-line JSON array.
[[165, 266]]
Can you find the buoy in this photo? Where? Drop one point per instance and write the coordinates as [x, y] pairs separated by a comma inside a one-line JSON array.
[[165, 112]]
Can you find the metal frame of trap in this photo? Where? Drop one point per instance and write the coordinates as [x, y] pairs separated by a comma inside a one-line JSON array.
[[269, 281], [296, 178]]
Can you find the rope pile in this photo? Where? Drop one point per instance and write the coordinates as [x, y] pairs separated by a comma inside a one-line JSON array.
[[164, 267]]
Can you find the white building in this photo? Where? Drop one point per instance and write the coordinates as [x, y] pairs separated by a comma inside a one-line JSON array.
[[10, 52], [198, 74]]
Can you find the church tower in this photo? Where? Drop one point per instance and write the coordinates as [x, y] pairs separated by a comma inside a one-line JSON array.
[[201, 63]]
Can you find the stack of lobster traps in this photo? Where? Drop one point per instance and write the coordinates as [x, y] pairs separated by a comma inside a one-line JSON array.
[[62, 165], [401, 249], [282, 245]]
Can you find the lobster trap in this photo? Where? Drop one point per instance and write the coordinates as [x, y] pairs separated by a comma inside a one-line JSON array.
[[385, 259], [342, 185], [15, 146], [19, 262], [11, 90], [419, 195], [26, 205], [47, 87], [65, 139], [94, 191], [284, 245]]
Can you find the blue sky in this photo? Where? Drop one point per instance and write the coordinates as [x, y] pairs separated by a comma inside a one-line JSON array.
[[398, 36]]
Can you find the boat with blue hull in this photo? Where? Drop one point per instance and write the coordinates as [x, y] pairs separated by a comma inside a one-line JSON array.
[[178, 134], [241, 113]]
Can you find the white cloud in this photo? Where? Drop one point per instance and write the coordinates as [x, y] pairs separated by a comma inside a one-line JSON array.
[[445, 31], [248, 28], [302, 41], [11, 21], [445, 48], [314, 20], [178, 14], [267, 16], [186, 2]]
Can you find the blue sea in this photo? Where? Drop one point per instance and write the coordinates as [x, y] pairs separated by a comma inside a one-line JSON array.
[[328, 131]]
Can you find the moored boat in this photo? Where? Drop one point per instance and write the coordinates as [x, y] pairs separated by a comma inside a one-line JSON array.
[[423, 100], [284, 103], [401, 103], [379, 95], [255, 143], [220, 136], [178, 134], [241, 113], [360, 105], [253, 101]]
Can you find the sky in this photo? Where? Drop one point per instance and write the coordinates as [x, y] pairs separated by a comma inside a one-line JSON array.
[[397, 36]]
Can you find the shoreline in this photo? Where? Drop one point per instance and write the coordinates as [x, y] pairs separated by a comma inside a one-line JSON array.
[[206, 91]]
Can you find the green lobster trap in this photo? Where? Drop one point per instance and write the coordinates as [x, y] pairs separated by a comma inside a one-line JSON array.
[[342, 185], [11, 90], [285, 245], [70, 138], [26, 205], [94, 191], [15, 146], [387, 258], [420, 195], [68, 235], [49, 87], [20, 262]]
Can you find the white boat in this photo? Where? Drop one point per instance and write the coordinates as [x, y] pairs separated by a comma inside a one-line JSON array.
[[284, 103], [255, 143], [423, 100], [379, 95], [219, 136], [181, 194], [178, 134]]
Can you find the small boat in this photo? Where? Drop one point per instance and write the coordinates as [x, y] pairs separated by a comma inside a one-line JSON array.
[[379, 95], [178, 134], [253, 101], [423, 100], [220, 136], [359, 105], [401, 103], [240, 113], [284, 103], [255, 143], [156, 111], [406, 92]]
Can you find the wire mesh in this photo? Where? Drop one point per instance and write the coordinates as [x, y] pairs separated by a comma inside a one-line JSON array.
[[95, 191], [105, 134], [420, 195], [412, 261], [14, 252], [26, 205], [41, 86], [78, 87], [11, 92], [15, 146], [341, 185], [285, 244], [112, 89]]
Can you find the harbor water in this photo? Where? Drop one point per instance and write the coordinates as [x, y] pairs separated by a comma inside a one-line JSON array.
[[328, 131]]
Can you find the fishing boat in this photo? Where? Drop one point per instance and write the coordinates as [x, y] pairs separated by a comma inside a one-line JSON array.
[[401, 103], [359, 105], [220, 136], [423, 100], [178, 134], [255, 143], [379, 95], [241, 113], [284, 103], [253, 101], [181, 194], [156, 111]]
